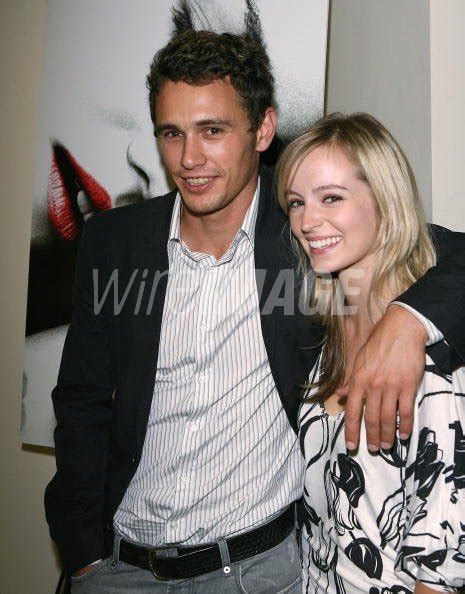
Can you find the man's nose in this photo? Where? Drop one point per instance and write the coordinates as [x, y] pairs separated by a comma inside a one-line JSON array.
[[192, 152]]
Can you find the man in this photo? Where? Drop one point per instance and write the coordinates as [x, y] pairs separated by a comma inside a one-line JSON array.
[[175, 445]]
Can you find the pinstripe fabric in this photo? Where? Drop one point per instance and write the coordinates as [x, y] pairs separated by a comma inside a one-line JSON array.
[[219, 455]]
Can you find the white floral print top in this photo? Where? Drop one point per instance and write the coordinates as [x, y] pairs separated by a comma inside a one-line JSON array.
[[376, 523]]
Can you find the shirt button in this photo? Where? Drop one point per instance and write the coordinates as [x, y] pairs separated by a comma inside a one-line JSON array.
[[203, 377], [174, 525], [195, 427], [204, 327], [184, 478]]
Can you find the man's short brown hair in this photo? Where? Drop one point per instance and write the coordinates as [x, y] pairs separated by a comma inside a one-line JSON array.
[[201, 57]]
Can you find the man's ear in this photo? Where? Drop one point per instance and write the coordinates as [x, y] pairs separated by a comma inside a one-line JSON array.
[[266, 130]]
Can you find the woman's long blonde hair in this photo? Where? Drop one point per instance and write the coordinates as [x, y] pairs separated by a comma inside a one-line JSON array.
[[405, 248]]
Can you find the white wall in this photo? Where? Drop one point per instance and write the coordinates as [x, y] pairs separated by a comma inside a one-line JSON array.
[[379, 62], [27, 560], [448, 112]]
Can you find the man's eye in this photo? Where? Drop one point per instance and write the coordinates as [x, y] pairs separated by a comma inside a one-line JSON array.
[[171, 134], [213, 131], [331, 199]]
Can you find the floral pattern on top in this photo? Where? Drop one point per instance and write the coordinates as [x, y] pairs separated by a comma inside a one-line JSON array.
[[377, 523]]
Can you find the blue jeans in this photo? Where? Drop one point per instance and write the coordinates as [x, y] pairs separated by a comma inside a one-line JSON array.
[[275, 571]]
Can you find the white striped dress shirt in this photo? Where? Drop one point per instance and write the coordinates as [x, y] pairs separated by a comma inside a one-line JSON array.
[[219, 455]]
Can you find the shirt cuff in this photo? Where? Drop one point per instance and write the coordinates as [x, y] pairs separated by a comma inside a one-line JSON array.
[[434, 334]]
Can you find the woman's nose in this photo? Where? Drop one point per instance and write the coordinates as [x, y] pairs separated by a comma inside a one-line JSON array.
[[311, 218]]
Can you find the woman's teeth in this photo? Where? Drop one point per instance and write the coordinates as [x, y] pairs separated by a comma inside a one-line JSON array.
[[325, 242]]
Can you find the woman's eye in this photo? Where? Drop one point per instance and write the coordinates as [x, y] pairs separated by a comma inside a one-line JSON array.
[[331, 199], [294, 203]]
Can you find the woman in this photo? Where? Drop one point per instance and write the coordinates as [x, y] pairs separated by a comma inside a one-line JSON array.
[[391, 521]]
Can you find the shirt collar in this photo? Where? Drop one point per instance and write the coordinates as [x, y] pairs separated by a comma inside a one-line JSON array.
[[250, 219], [247, 227]]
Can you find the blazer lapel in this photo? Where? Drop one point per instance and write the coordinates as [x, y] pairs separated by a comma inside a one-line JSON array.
[[150, 254], [286, 332], [269, 262]]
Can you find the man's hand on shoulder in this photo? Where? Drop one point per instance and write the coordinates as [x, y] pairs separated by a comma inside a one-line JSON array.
[[387, 372]]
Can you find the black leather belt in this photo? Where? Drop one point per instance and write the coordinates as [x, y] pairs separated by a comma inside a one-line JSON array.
[[196, 560]]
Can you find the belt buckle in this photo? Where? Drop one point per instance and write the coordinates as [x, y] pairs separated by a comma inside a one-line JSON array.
[[153, 557]]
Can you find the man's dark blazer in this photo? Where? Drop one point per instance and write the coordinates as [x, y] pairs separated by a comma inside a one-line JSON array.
[[107, 374]]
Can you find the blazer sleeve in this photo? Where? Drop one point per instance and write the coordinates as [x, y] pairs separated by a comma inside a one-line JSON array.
[[440, 294], [82, 401]]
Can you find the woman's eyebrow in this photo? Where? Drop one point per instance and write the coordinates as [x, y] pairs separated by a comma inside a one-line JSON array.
[[292, 193], [329, 187]]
